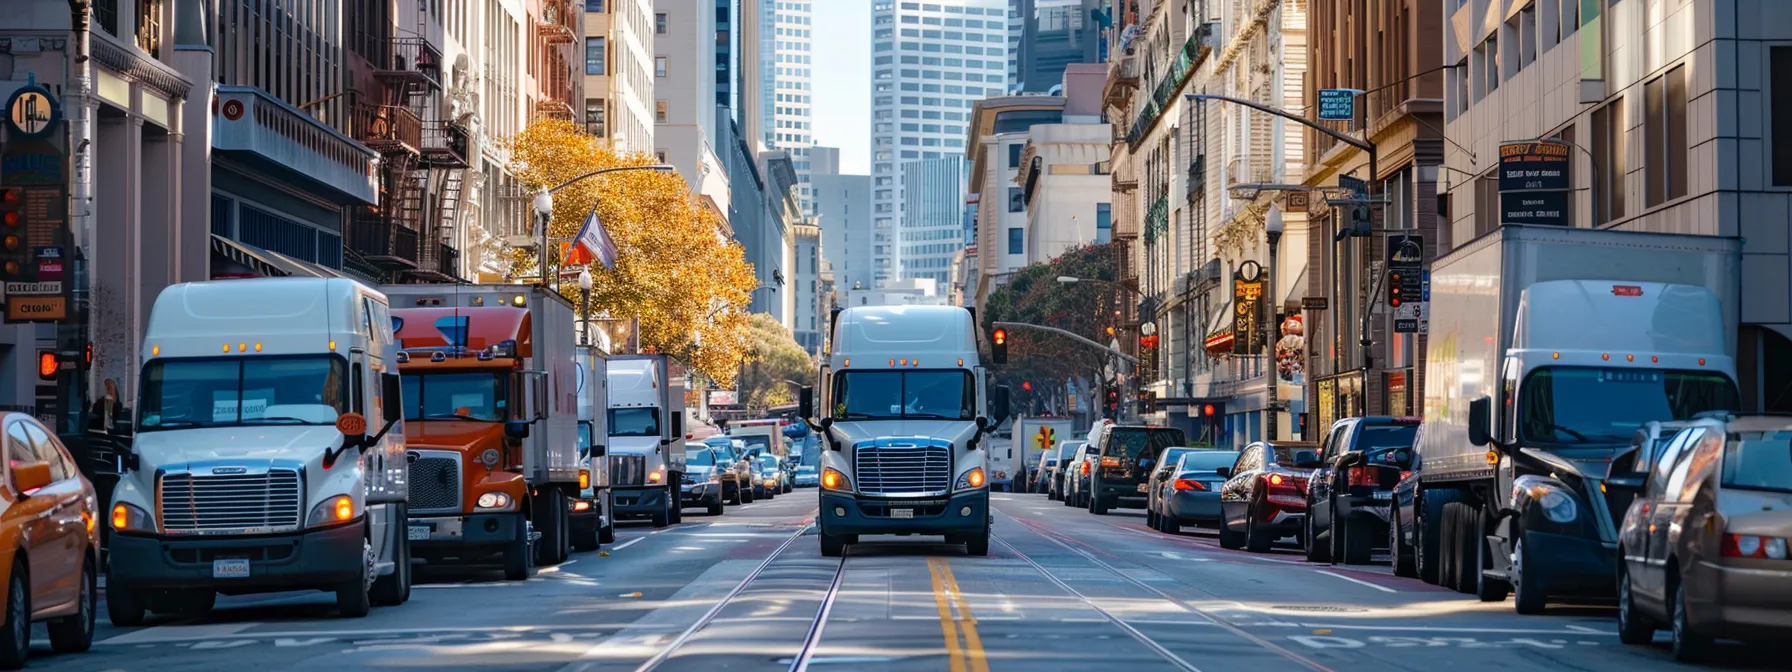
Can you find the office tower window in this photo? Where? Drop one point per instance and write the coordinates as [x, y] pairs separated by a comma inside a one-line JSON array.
[[1779, 64], [596, 56], [596, 121], [1016, 240], [594, 6], [660, 23], [659, 66], [1014, 154], [1664, 148], [1609, 148], [661, 112], [1104, 223], [1017, 201]]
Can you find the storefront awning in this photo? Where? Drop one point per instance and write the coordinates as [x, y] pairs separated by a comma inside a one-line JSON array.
[[240, 260], [1292, 293], [298, 267]]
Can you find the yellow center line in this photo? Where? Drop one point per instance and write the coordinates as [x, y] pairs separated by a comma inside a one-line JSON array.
[[948, 627], [973, 641]]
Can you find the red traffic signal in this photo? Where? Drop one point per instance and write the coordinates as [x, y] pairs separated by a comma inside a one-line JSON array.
[[1207, 411], [1026, 385], [1000, 337], [48, 365]]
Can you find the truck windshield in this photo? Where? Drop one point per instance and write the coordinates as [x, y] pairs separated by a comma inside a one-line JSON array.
[[183, 394], [1760, 461], [454, 396], [891, 395], [634, 422], [1590, 405]]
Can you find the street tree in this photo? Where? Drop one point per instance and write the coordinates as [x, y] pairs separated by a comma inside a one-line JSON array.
[[677, 271], [773, 359], [1043, 360]]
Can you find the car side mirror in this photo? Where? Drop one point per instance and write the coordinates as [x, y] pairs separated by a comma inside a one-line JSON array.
[[28, 478], [1480, 417], [1224, 472], [517, 429]]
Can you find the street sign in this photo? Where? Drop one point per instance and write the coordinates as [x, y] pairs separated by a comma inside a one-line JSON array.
[[1359, 186], [1337, 104], [17, 288], [1534, 182], [1314, 303], [1046, 438], [1534, 207], [36, 308], [1406, 266]]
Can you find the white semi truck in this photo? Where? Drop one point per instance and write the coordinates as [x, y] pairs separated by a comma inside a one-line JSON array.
[[269, 454], [1549, 347], [906, 411], [647, 433]]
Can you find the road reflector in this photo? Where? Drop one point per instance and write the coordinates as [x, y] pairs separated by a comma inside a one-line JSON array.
[[603, 554], [1322, 631], [629, 595]]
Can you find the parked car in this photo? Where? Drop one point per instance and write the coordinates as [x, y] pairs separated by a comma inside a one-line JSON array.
[[703, 478], [1352, 486], [47, 528], [1191, 495], [1163, 470], [1265, 494], [1129, 453], [1061, 458], [731, 453], [1076, 479], [767, 478], [1704, 548]]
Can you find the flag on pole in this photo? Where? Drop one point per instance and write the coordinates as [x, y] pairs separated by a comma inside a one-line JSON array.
[[592, 244]]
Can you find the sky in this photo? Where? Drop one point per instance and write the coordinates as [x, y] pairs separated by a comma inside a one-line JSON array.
[[842, 81]]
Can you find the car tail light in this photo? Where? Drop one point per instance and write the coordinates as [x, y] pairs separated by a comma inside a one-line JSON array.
[[1364, 476], [1752, 546], [1405, 475], [1186, 484], [1287, 491]]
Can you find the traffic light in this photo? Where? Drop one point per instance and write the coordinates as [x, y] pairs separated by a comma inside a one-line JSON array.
[[48, 365], [998, 346], [12, 234], [1211, 421], [1112, 394], [1394, 278]]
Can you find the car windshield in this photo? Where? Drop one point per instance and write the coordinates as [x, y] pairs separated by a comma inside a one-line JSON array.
[[1170, 456], [454, 396], [882, 395], [1131, 442], [767, 462], [1285, 454], [1569, 405], [1374, 437], [701, 457], [1760, 461], [1208, 460], [756, 443], [634, 422], [183, 394]]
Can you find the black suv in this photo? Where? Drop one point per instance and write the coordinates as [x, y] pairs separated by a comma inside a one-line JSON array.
[[1351, 488], [1129, 453]]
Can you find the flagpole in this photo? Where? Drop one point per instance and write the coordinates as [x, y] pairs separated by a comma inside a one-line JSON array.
[[544, 204]]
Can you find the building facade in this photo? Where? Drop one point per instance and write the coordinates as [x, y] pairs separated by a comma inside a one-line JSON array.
[[786, 71], [843, 211], [621, 70], [806, 287], [685, 110], [996, 138], [1051, 35], [1681, 121], [1066, 193], [930, 63], [930, 232]]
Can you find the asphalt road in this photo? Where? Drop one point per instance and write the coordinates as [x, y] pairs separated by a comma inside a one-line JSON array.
[[1062, 590]]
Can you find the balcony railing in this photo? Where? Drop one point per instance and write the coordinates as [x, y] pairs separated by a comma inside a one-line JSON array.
[[1193, 52], [445, 144], [414, 59], [382, 241], [1123, 78], [388, 129]]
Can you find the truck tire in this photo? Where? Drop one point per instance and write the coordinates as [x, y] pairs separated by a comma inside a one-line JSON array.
[[354, 597], [549, 509], [662, 517], [394, 589], [977, 545], [125, 607], [832, 545], [1530, 596], [1463, 521], [677, 499], [517, 555], [606, 533], [717, 508], [1428, 535], [735, 499], [746, 494]]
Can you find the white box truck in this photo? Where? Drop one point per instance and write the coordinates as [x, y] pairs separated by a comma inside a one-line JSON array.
[[907, 409], [269, 454], [647, 435], [1549, 347], [593, 523], [1033, 436]]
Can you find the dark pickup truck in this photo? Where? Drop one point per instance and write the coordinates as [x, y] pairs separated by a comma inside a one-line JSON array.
[[1128, 455]]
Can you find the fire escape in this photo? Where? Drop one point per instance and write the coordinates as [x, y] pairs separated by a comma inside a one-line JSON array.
[[555, 28], [424, 156]]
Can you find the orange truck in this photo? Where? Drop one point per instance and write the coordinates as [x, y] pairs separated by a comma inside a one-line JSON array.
[[491, 421]]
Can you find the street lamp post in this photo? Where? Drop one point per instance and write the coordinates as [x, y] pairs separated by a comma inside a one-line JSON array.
[[1272, 227], [544, 206], [585, 306]]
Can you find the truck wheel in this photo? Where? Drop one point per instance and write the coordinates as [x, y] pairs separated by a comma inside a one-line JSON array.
[[1315, 551], [746, 494], [1098, 505], [550, 516], [125, 607], [353, 598], [583, 540], [677, 504], [516, 555], [716, 509], [1466, 565], [977, 544], [1529, 596], [662, 517], [394, 589], [74, 634], [606, 533], [1428, 534], [15, 637], [832, 545]]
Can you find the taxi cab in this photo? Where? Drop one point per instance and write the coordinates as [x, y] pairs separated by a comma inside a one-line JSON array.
[[49, 546]]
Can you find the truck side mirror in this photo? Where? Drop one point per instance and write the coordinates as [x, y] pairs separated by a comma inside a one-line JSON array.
[[392, 391], [805, 403], [516, 429], [600, 450], [1480, 416], [678, 424]]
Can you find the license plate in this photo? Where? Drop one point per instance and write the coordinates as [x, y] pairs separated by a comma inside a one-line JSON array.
[[1383, 495], [230, 568], [902, 513], [419, 532], [1144, 487]]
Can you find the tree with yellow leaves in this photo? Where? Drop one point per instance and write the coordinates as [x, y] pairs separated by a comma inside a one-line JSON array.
[[676, 272]]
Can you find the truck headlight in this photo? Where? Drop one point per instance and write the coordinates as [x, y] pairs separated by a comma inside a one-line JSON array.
[[129, 518], [655, 477], [1557, 506], [332, 511], [970, 479], [493, 501], [832, 479]]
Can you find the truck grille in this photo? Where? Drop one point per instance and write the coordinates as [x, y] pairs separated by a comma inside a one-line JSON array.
[[215, 503], [903, 469], [435, 482], [628, 470]]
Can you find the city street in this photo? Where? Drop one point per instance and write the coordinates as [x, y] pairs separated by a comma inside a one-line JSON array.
[[1061, 590]]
